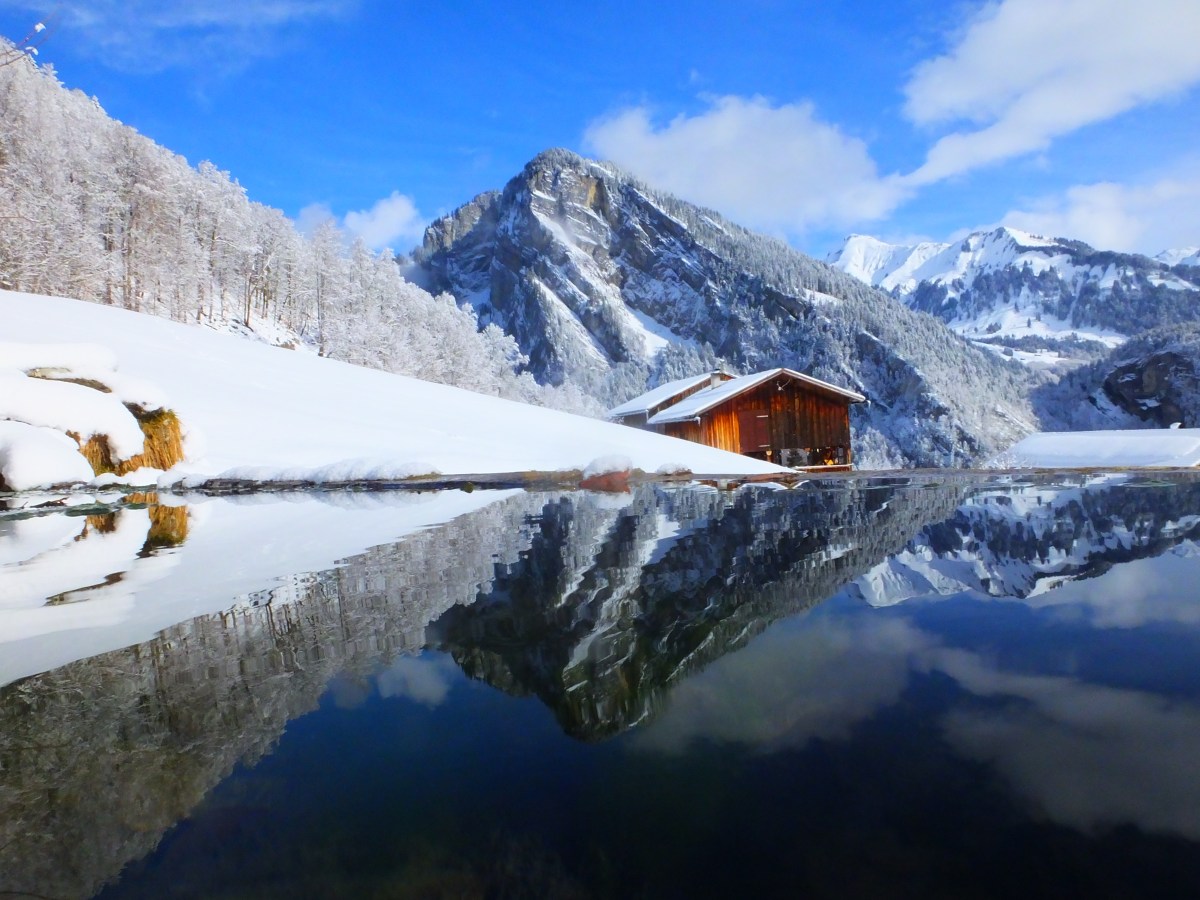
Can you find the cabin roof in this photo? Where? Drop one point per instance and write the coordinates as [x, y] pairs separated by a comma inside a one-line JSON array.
[[704, 400], [655, 398]]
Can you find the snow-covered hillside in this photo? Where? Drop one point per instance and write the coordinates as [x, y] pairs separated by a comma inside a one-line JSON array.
[[262, 413], [1024, 292]]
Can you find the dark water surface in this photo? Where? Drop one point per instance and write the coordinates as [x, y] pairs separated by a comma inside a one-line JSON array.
[[882, 688]]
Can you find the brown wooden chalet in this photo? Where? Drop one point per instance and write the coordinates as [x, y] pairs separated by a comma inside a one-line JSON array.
[[778, 415]]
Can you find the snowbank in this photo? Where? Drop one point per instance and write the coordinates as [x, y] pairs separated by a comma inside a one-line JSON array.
[[1155, 448], [66, 412], [271, 414], [32, 456]]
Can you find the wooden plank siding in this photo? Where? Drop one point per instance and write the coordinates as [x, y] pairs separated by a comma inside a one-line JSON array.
[[804, 426]]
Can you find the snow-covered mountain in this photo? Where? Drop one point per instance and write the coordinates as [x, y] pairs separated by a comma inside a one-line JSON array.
[[1180, 256], [1028, 293], [618, 602], [607, 284]]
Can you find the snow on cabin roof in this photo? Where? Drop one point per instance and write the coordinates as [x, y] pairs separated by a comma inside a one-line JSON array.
[[656, 397], [704, 400]]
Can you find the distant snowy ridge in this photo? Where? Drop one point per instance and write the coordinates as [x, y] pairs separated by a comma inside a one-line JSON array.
[[1182, 256], [1026, 292], [898, 267]]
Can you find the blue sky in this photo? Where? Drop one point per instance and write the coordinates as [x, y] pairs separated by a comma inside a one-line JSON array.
[[807, 120]]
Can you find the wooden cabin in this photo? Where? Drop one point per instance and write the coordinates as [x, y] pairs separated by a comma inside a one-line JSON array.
[[778, 415]]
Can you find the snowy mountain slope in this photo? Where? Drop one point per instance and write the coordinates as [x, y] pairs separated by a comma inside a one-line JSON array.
[[1151, 381], [1007, 285], [1180, 256], [265, 413], [608, 285]]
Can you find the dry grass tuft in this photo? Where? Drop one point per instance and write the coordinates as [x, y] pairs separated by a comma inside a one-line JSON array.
[[162, 447], [101, 523], [164, 441], [168, 526]]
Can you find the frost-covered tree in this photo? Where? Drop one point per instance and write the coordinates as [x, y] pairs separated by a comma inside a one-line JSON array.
[[91, 209]]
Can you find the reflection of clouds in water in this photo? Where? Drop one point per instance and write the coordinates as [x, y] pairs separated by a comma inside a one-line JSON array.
[[792, 685], [425, 680], [1088, 756], [1084, 755], [1161, 589]]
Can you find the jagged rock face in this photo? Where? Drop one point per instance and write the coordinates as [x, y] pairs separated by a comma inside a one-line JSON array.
[[607, 284], [1151, 381], [1154, 388], [564, 266]]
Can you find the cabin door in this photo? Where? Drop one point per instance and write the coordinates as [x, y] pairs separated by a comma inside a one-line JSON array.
[[754, 430]]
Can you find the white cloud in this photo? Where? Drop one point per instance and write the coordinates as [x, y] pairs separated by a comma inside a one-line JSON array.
[[312, 217], [391, 221], [1141, 218], [777, 168], [152, 35], [1029, 71]]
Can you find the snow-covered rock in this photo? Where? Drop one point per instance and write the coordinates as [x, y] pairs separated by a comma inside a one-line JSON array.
[[35, 456]]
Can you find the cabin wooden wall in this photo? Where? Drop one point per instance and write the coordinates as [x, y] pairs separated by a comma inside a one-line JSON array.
[[798, 418]]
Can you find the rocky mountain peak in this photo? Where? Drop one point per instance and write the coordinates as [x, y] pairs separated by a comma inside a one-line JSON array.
[[1051, 302], [610, 286]]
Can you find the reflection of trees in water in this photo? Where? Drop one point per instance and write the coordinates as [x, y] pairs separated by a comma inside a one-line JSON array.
[[597, 605], [100, 757], [610, 607]]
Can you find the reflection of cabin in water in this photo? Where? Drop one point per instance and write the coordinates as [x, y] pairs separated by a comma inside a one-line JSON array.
[[778, 415]]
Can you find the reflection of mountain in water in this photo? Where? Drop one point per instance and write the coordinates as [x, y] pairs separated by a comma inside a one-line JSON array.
[[611, 606], [1019, 541], [598, 605]]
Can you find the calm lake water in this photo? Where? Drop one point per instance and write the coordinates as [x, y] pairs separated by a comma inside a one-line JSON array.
[[922, 687]]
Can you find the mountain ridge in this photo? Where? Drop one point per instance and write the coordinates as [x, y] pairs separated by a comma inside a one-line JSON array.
[[610, 285], [1012, 288]]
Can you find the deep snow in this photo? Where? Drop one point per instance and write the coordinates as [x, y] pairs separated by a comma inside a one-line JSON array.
[[1154, 448], [263, 413]]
